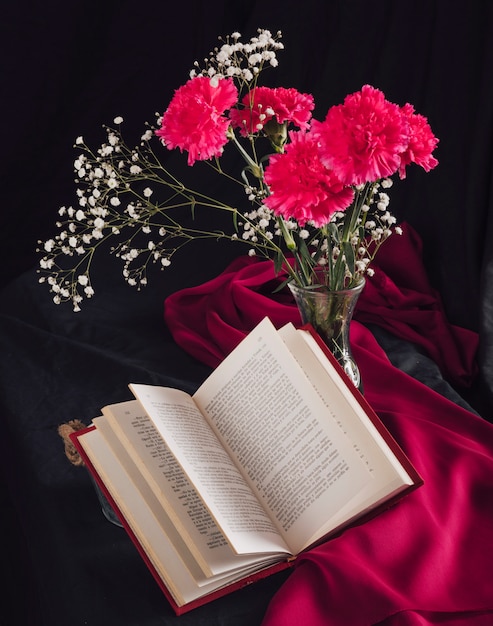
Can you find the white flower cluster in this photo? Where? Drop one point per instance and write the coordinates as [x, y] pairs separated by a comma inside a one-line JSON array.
[[374, 225], [124, 194], [242, 61]]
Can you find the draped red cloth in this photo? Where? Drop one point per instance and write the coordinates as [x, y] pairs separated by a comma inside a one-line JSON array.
[[429, 559], [209, 320]]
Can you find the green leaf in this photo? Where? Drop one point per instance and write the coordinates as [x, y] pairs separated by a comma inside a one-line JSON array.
[[281, 286], [348, 252], [303, 250], [278, 258], [334, 232]]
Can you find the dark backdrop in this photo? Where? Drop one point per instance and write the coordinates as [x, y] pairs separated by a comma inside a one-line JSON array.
[[68, 67]]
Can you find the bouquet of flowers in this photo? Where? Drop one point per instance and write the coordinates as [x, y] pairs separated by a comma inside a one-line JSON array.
[[314, 193]]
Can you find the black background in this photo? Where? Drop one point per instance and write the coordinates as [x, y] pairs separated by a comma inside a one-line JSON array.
[[69, 67]]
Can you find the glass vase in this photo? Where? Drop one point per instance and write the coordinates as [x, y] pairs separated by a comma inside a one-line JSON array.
[[330, 313]]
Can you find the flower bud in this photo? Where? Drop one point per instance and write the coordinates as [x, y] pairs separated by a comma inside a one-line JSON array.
[[277, 134]]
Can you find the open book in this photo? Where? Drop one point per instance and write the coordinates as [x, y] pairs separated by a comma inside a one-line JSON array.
[[275, 452]]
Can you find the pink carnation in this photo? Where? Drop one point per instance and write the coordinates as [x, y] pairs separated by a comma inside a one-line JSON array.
[[263, 103], [195, 121], [301, 186], [422, 142], [363, 139], [298, 107]]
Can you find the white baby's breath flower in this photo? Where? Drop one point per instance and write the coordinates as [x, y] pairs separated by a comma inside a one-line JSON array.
[[147, 135], [105, 150], [377, 234]]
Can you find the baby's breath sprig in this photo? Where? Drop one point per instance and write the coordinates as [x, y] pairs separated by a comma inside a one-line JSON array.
[[127, 193], [241, 61]]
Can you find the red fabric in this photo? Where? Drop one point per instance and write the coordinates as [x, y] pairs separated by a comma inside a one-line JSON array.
[[208, 321], [427, 560], [400, 298]]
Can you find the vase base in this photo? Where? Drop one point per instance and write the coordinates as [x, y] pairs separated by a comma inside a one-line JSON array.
[[351, 370]]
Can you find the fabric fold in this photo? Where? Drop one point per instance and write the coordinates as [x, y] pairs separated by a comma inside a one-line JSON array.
[[427, 560], [209, 320]]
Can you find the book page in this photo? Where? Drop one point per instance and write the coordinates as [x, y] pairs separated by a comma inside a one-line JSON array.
[[131, 426], [271, 420], [158, 540], [216, 478], [388, 474]]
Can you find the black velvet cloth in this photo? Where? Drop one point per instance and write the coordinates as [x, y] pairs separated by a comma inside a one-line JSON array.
[[69, 67], [56, 367]]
